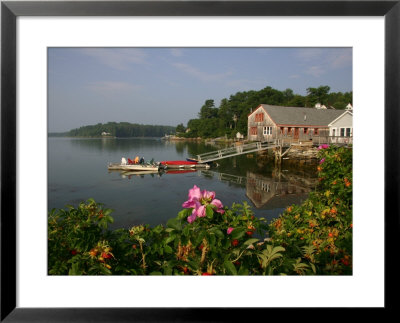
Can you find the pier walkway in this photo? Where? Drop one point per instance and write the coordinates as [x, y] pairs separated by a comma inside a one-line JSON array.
[[283, 145], [234, 151]]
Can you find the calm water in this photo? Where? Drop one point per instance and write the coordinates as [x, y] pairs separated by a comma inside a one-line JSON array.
[[78, 170]]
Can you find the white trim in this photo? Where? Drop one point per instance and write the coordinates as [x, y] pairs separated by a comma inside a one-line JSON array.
[[329, 125], [267, 130]]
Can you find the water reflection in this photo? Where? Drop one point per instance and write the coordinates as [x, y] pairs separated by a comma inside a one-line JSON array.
[[77, 170], [264, 192], [161, 172], [281, 189]]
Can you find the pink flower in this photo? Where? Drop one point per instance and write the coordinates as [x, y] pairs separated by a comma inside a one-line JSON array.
[[321, 161], [324, 146], [229, 231], [198, 201]]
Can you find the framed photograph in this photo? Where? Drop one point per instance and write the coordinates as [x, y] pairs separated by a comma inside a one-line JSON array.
[[39, 40]]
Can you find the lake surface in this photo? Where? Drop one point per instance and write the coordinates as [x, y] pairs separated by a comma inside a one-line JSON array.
[[77, 170]]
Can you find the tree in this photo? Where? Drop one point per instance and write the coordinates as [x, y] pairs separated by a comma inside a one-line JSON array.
[[180, 128], [288, 94], [208, 110], [317, 95]]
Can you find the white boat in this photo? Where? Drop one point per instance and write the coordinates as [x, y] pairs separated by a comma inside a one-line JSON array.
[[123, 165]]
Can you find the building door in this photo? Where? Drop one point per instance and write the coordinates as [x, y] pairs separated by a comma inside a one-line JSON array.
[[296, 133]]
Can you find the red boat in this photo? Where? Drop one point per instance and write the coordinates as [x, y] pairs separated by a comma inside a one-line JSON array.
[[182, 164]]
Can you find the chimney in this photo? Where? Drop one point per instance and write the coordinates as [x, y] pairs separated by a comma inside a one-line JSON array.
[[305, 117]]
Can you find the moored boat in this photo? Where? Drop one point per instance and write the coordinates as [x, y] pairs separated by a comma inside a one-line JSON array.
[[134, 167]]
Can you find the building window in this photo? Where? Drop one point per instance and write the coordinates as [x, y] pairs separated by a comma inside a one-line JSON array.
[[305, 130], [345, 132], [267, 131], [315, 131], [259, 117], [282, 130], [289, 131], [253, 131], [333, 132]]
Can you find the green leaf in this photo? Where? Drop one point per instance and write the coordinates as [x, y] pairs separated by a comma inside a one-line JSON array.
[[158, 229], [217, 232], [107, 211], [186, 231], [212, 240], [155, 273], [243, 271], [184, 214], [230, 268], [270, 254], [168, 249], [75, 270], [170, 238], [168, 271], [237, 233], [250, 241], [209, 211], [174, 224]]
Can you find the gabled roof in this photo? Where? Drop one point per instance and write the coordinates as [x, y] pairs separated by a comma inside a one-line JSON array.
[[301, 116], [345, 112]]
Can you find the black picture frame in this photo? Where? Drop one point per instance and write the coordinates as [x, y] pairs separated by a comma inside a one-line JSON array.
[[10, 10]]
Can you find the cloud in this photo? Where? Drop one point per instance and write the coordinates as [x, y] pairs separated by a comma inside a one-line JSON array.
[[319, 61], [116, 58], [315, 71], [341, 59], [199, 74]]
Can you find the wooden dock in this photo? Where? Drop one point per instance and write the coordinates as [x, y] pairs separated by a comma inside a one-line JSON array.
[[235, 150], [281, 146]]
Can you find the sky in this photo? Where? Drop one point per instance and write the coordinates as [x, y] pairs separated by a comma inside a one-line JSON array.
[[168, 86]]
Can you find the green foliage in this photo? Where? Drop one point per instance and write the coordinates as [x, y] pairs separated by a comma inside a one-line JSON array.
[[320, 230], [180, 128], [122, 129], [312, 238]]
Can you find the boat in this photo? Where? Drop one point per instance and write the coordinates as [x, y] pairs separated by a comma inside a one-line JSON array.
[[134, 167], [182, 164]]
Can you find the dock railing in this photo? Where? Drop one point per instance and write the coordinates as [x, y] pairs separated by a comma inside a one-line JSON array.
[[234, 151], [315, 141]]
